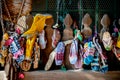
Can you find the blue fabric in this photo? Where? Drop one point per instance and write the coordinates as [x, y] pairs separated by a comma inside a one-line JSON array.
[[20, 59], [88, 40], [95, 66], [15, 46], [88, 59], [104, 68]]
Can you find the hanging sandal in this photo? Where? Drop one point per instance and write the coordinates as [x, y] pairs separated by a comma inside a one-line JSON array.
[[59, 57], [42, 40], [107, 41], [73, 56], [79, 63], [104, 66], [95, 66], [52, 56]]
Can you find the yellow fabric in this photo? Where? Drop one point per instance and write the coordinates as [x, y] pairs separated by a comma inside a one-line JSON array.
[[5, 36], [118, 44], [118, 41], [29, 47], [37, 25]]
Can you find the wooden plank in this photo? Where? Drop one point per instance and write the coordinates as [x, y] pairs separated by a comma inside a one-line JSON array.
[[71, 75]]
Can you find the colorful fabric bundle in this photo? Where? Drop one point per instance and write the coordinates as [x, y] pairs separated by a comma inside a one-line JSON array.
[[15, 48], [73, 56], [59, 57], [103, 65], [89, 52], [95, 65]]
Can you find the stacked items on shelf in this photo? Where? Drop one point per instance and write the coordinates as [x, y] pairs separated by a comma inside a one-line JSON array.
[[28, 38]]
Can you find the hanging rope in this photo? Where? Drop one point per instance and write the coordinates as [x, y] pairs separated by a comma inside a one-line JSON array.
[[4, 2], [58, 3], [8, 12], [1, 17], [21, 9]]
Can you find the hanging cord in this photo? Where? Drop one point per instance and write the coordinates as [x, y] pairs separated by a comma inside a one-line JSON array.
[[6, 7], [96, 32], [4, 2], [1, 17], [114, 23], [21, 9], [56, 25], [115, 28], [58, 2]]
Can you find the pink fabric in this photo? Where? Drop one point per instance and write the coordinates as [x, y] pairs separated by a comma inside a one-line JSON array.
[[78, 64], [18, 53], [8, 42], [90, 51], [116, 29], [21, 76], [18, 30]]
